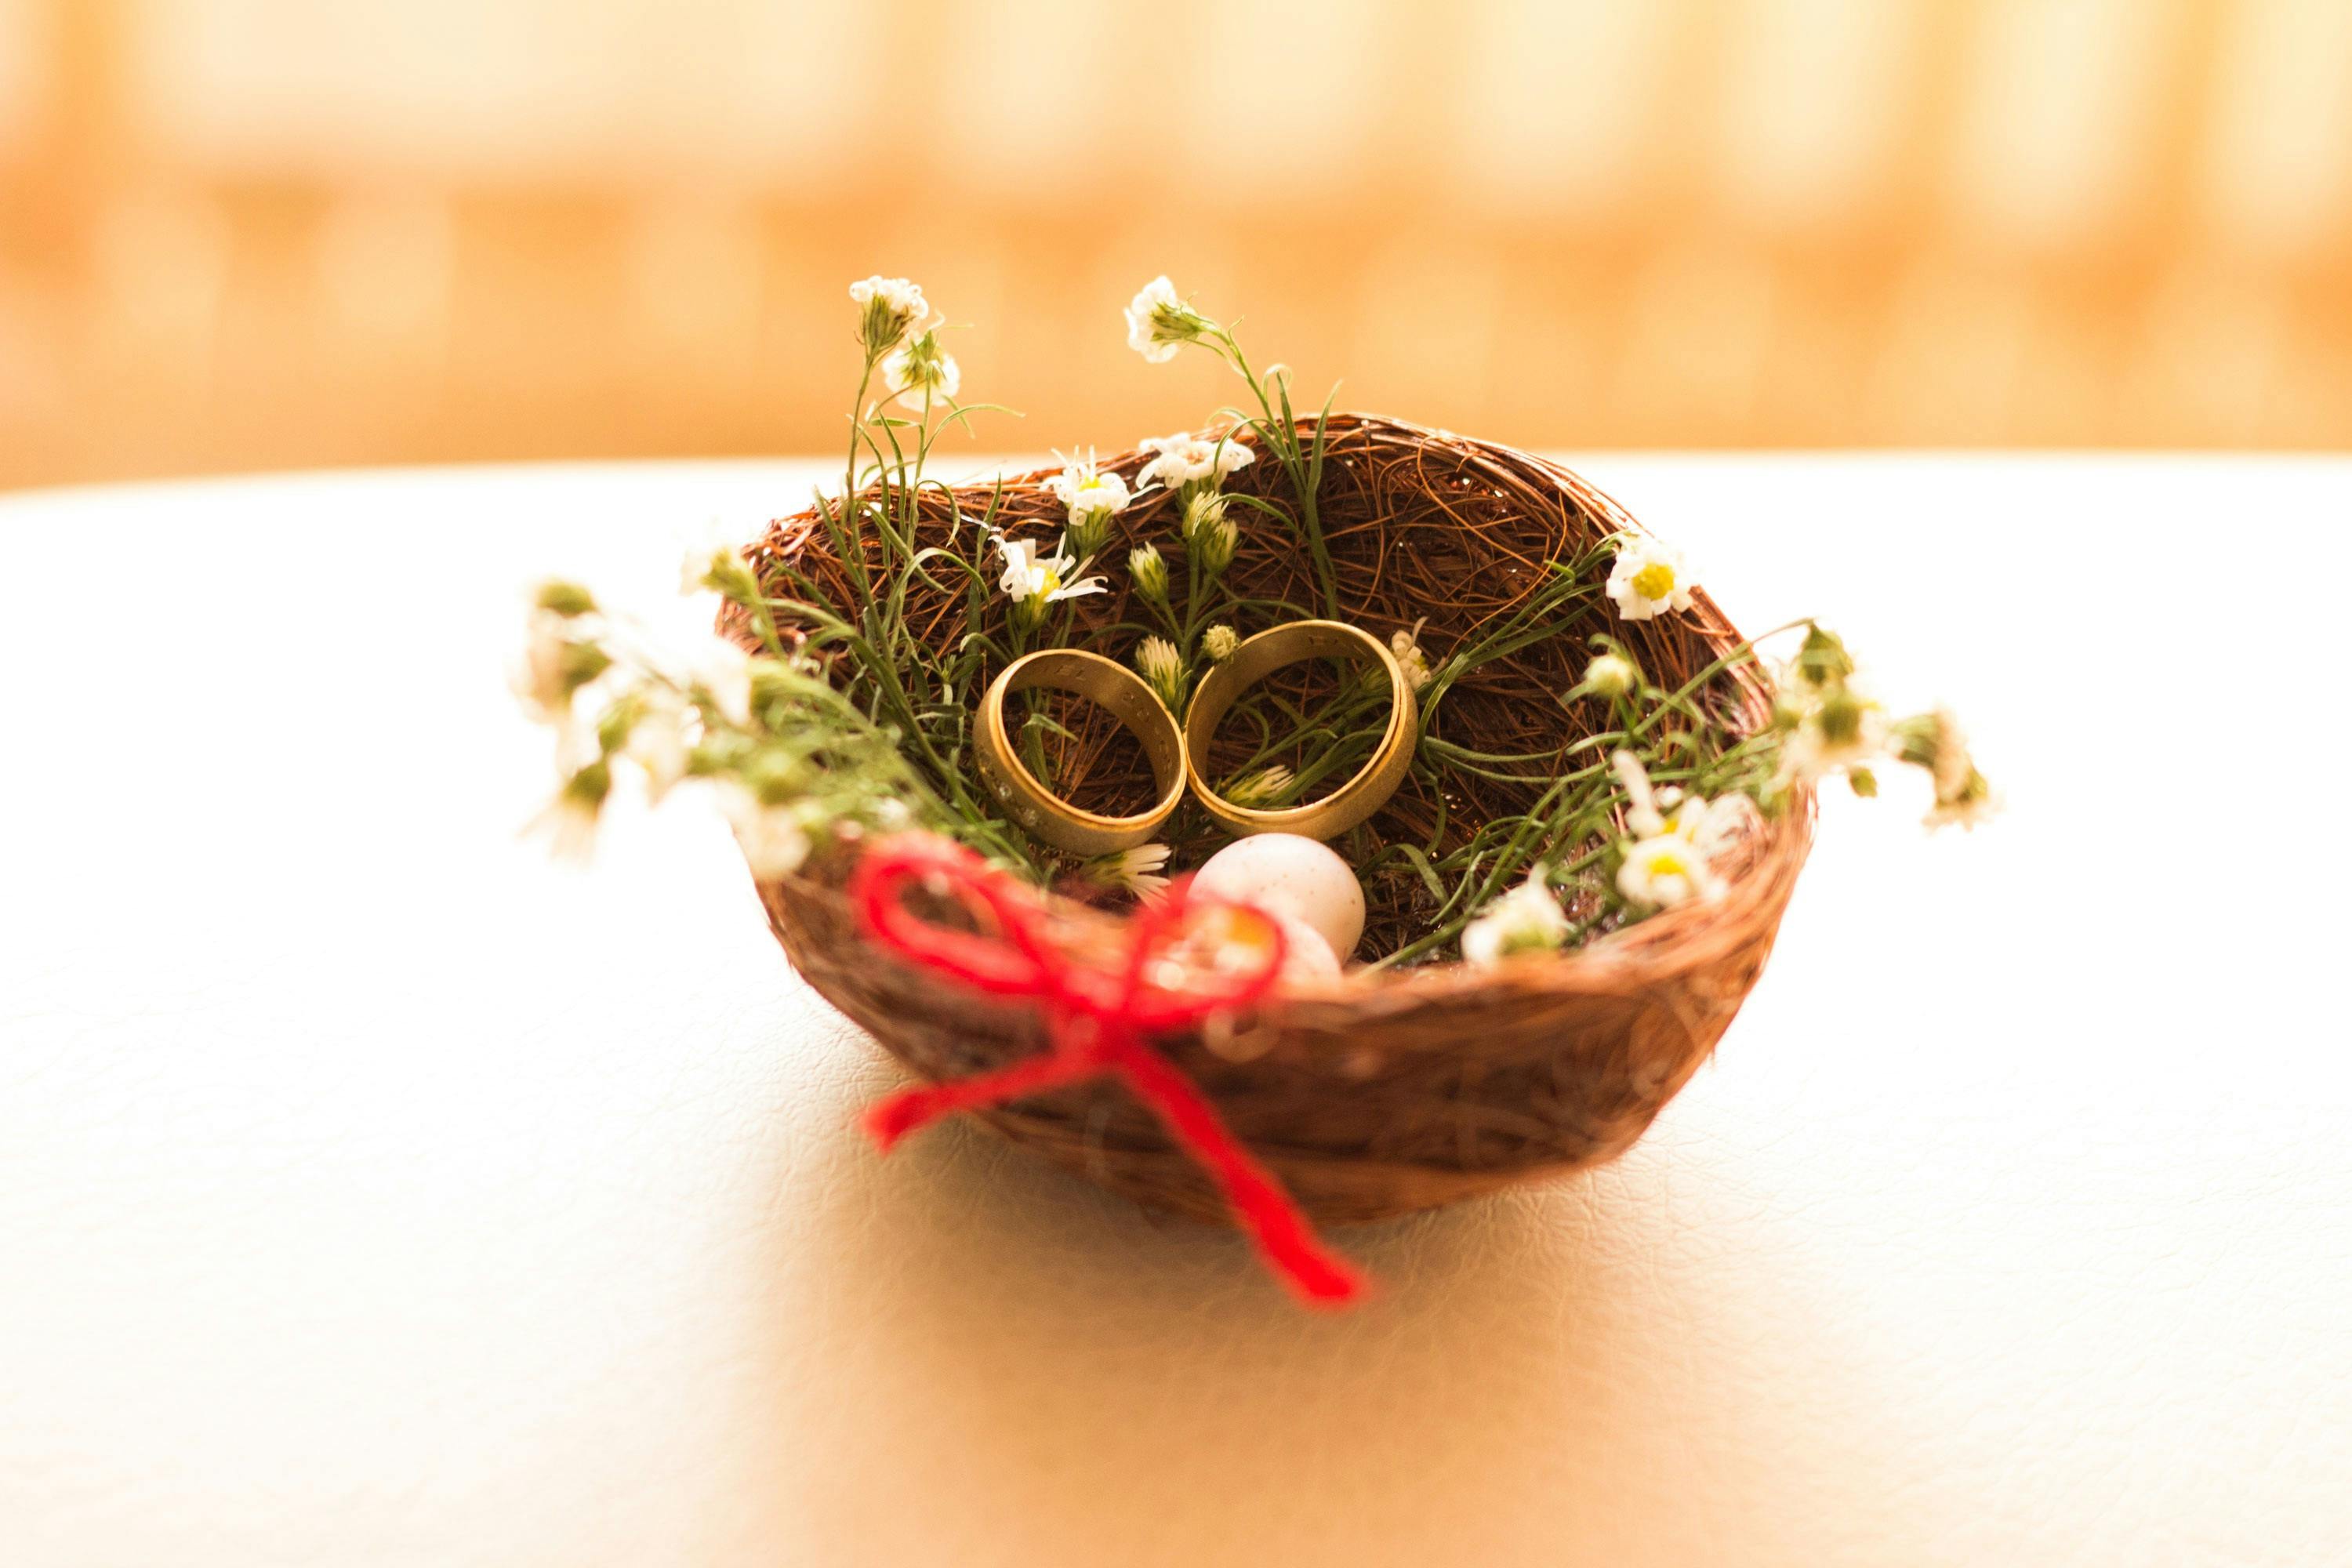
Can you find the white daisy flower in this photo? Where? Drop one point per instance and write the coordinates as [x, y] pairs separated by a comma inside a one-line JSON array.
[[887, 309], [1649, 579], [1527, 918], [539, 681], [1974, 802], [658, 743], [1158, 322], [1708, 826], [1935, 741], [1024, 575], [1033, 580], [569, 822], [773, 841], [1092, 497], [714, 559], [1185, 459], [922, 372], [557, 661], [1139, 870], [1642, 815], [721, 673], [1841, 729], [1086, 490], [1666, 870]]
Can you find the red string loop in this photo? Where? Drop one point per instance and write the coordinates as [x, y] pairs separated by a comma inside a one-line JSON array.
[[1096, 1020]]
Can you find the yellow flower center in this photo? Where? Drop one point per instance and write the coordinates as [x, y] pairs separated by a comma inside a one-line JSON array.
[[1667, 863], [1049, 582], [1656, 581]]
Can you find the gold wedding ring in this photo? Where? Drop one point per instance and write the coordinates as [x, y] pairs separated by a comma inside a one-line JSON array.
[[1249, 663], [1044, 815]]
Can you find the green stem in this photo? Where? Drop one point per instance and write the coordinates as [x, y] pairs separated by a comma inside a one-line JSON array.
[[1281, 433]]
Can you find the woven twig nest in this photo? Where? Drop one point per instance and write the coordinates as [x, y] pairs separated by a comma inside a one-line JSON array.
[[1398, 1088]]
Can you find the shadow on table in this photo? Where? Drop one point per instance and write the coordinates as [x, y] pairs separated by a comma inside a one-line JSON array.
[[971, 1345]]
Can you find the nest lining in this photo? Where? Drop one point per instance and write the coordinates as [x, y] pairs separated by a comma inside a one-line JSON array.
[[1425, 530]]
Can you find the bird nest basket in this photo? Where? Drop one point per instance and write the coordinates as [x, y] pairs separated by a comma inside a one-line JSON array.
[[1389, 1090]]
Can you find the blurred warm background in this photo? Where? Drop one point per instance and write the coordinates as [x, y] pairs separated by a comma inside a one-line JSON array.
[[263, 233]]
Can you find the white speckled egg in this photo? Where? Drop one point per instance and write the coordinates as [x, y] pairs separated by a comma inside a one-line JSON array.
[[1288, 875], [1306, 956]]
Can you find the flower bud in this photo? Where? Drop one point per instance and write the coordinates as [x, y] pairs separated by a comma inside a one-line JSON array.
[[587, 788], [922, 372], [1823, 660], [1202, 508], [582, 662], [1262, 788], [1918, 739], [1611, 675], [887, 308], [771, 680], [732, 576], [563, 599], [1934, 741], [720, 568], [1087, 533], [771, 775], [618, 718], [1406, 646], [656, 740], [1150, 572], [1219, 642], [1971, 803], [1162, 668], [1213, 545], [570, 820], [1840, 719]]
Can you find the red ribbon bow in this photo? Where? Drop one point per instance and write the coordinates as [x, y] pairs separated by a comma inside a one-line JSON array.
[[1096, 1019]]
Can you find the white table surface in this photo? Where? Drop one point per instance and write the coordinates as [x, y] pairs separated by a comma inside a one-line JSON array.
[[374, 1192]]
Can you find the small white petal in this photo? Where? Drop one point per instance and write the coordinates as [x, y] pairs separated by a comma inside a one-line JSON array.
[[1527, 918]]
